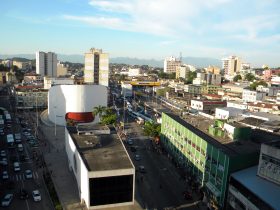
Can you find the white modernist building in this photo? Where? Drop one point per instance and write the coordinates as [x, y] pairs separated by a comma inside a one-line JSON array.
[[46, 64], [74, 100], [102, 168]]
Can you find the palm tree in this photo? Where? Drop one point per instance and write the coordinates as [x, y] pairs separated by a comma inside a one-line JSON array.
[[99, 110]]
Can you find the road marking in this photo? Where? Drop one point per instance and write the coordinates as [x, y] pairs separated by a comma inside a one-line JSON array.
[[27, 204], [35, 174]]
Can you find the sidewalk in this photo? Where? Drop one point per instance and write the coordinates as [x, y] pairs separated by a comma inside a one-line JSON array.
[[56, 161]]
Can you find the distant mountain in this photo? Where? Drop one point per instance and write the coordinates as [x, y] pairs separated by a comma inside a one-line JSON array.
[[75, 58]]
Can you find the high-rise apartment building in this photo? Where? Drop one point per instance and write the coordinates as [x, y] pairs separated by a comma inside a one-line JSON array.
[[46, 64], [231, 65], [182, 71], [170, 64], [96, 67]]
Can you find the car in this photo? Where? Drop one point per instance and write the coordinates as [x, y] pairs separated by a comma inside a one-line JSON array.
[[6, 201], [2, 133], [3, 153], [23, 194], [5, 175], [36, 195], [133, 149], [130, 142], [137, 157], [4, 161], [142, 169], [16, 166], [28, 174]]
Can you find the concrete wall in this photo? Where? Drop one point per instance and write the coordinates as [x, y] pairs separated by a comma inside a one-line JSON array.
[[74, 98]]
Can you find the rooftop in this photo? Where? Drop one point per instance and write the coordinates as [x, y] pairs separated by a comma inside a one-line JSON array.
[[274, 144], [266, 190], [199, 125], [101, 152]]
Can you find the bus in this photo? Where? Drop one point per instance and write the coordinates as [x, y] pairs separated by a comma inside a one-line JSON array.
[[10, 140]]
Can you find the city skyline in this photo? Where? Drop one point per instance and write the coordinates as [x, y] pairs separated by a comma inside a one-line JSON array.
[[145, 29]]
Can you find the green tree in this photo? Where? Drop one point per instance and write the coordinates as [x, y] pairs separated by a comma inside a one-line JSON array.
[[191, 77], [109, 119], [237, 77], [99, 110], [249, 77], [152, 129], [254, 85]]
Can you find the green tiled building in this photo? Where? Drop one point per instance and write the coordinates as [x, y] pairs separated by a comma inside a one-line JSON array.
[[210, 158]]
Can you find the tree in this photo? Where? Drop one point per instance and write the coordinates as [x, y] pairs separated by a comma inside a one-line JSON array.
[[249, 77], [152, 129], [99, 110], [109, 119], [237, 77], [254, 85], [191, 77]]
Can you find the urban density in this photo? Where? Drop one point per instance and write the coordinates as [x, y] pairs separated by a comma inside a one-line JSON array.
[[120, 135]]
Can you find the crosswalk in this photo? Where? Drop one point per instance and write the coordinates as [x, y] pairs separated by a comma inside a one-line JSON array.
[[19, 177]]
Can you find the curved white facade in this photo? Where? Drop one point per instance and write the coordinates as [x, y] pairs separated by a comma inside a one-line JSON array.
[[74, 98]]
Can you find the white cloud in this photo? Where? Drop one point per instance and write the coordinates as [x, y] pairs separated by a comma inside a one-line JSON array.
[[160, 17]]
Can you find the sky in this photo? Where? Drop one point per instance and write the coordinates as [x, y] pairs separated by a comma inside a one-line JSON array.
[[155, 29]]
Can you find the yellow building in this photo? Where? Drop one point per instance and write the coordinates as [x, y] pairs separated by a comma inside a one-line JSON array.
[[96, 67], [182, 71], [213, 70]]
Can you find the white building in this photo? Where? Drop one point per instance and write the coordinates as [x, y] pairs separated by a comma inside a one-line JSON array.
[[207, 79], [270, 91], [252, 95], [170, 64], [104, 173], [227, 112], [46, 64], [269, 163], [231, 66], [96, 67], [134, 72], [278, 97], [182, 71], [237, 104], [75, 102], [51, 81]]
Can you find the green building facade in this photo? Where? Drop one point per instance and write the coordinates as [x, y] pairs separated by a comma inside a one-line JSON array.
[[202, 156]]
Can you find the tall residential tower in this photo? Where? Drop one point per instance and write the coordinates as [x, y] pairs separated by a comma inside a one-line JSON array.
[[96, 67], [231, 65], [46, 64], [170, 64]]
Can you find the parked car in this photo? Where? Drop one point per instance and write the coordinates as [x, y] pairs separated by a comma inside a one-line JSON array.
[[137, 157], [6, 201], [133, 149], [142, 169], [16, 166], [23, 194], [130, 142], [28, 174], [4, 161], [3, 153], [5, 175], [36, 195]]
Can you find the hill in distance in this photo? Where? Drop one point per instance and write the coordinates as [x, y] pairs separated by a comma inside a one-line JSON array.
[[195, 61]]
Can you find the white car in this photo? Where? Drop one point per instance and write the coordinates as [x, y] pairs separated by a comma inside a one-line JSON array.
[[5, 175], [28, 174], [6, 201], [3, 153], [4, 161], [36, 195]]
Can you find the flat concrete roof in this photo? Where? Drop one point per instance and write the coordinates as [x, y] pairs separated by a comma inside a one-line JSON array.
[[199, 125], [101, 152], [267, 191]]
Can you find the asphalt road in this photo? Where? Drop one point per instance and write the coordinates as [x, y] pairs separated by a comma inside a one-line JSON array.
[[18, 180]]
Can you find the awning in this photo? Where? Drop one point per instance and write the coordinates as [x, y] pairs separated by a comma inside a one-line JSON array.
[[213, 189]]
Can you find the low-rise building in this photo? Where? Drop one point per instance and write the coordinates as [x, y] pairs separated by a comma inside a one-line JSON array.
[[104, 173], [207, 79], [213, 70], [22, 65], [270, 91], [264, 107], [50, 81], [207, 106], [62, 69], [237, 104], [227, 112], [134, 72], [252, 95]]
